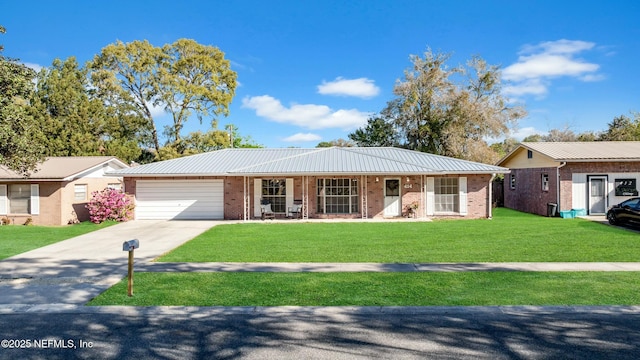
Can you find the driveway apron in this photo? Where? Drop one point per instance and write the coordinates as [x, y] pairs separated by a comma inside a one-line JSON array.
[[74, 271]]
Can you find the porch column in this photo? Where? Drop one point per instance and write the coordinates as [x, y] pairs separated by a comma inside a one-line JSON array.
[[305, 198], [364, 197], [246, 204]]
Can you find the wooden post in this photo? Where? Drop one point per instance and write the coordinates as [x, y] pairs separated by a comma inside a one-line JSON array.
[[130, 282]]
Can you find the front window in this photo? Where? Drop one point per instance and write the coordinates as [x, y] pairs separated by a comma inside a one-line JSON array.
[[80, 192], [19, 198], [446, 195], [337, 196], [274, 192]]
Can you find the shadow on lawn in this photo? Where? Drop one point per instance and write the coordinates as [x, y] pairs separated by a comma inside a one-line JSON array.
[[231, 333]]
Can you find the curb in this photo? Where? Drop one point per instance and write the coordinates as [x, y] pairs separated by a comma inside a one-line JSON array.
[[311, 310]]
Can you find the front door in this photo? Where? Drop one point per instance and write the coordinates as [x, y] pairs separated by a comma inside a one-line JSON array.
[[392, 203], [597, 195]]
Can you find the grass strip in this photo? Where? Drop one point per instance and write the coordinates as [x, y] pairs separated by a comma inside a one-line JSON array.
[[377, 289], [16, 239], [510, 236]]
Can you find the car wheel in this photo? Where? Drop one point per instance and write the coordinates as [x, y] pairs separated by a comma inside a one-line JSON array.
[[612, 218]]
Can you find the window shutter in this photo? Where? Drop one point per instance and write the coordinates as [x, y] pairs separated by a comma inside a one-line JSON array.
[[257, 195], [35, 199], [462, 187], [431, 199], [4, 201]]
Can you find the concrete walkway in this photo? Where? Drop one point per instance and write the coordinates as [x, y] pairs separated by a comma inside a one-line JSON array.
[[76, 270], [378, 267]]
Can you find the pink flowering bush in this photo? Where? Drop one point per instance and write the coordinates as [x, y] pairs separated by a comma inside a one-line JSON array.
[[110, 204]]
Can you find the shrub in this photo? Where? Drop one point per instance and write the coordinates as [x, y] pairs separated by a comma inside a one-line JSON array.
[[109, 204]]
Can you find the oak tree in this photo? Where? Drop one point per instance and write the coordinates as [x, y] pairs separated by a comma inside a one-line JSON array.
[[184, 79], [446, 110], [18, 129]]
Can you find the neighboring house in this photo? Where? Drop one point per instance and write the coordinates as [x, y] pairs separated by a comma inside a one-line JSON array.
[[328, 182], [588, 176], [57, 192]]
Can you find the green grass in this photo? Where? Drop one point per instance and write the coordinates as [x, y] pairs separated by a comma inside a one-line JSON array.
[[377, 289], [510, 236], [16, 239]]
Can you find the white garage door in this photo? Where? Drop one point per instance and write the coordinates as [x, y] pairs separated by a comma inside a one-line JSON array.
[[179, 199]]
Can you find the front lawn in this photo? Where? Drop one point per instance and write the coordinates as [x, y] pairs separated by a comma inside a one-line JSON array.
[[16, 239], [377, 289], [510, 236]]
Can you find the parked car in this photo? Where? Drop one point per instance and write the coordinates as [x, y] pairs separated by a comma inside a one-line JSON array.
[[628, 210]]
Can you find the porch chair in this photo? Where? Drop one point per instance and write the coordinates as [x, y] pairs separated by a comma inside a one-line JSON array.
[[266, 212], [295, 211]]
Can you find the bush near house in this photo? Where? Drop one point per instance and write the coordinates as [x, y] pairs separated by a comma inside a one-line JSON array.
[[110, 204]]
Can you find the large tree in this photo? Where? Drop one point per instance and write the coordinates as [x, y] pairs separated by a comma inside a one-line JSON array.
[[184, 78], [378, 132], [623, 128], [18, 150], [448, 110], [75, 122]]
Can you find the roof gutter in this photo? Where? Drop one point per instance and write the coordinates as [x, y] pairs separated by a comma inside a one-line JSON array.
[[562, 164]]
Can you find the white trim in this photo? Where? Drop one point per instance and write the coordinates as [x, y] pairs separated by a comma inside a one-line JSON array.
[[109, 162], [4, 200], [35, 199], [180, 199], [431, 197], [462, 187], [392, 204], [257, 195], [288, 193]]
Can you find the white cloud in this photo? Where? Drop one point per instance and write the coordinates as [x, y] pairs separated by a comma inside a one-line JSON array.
[[538, 64], [156, 111], [524, 132], [361, 87], [592, 77], [36, 67], [300, 137], [529, 86], [309, 116]]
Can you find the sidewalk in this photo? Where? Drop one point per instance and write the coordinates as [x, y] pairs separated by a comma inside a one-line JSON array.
[[377, 267]]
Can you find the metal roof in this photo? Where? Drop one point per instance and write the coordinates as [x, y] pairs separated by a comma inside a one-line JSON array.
[[585, 151], [320, 161], [61, 168]]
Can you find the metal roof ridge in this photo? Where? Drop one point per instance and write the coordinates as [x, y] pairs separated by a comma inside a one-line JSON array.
[[305, 153], [393, 160]]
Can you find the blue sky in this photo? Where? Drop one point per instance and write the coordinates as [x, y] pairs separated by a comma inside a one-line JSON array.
[[312, 71]]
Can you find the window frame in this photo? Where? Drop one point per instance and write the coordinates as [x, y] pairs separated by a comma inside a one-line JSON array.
[[340, 196], [274, 192], [447, 202], [76, 192], [10, 199], [545, 182], [114, 186]]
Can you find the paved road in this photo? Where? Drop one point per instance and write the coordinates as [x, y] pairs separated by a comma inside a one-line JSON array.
[[326, 333]]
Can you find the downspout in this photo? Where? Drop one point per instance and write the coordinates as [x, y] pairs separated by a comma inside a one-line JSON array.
[[562, 164], [490, 212]]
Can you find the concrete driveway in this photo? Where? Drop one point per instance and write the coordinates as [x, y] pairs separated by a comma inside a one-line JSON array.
[[76, 270]]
